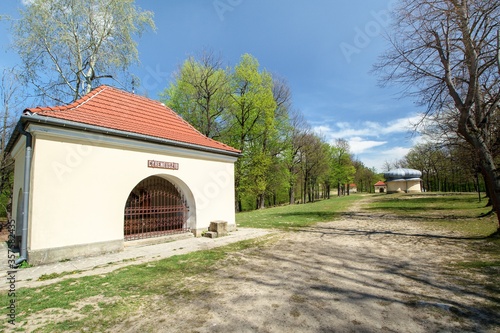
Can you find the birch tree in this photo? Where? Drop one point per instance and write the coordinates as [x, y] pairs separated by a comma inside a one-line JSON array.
[[68, 46]]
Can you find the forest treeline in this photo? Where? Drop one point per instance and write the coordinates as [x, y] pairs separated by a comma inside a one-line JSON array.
[[282, 159]]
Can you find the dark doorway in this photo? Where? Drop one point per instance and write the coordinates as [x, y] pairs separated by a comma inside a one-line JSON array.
[[154, 208]]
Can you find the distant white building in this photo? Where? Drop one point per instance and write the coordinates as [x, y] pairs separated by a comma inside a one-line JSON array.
[[403, 180], [114, 167], [380, 187]]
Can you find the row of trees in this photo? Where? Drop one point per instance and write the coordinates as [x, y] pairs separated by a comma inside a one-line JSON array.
[[251, 109]]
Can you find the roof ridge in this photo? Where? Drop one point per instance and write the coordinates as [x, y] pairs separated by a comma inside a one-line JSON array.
[[114, 108], [133, 94], [104, 87]]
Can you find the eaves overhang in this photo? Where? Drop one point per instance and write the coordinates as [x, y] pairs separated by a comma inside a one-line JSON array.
[[29, 117]]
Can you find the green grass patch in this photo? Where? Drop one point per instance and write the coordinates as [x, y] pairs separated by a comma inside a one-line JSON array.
[[431, 204], [459, 212], [290, 217], [51, 276], [127, 288]]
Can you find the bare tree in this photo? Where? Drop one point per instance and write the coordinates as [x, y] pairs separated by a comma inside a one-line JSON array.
[[445, 52], [10, 92], [296, 139], [313, 163]]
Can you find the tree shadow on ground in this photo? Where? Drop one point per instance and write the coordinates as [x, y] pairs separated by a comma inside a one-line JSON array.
[[329, 278], [359, 232], [355, 288]]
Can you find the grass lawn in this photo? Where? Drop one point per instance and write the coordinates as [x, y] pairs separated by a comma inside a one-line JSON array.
[[458, 212], [102, 301], [296, 216]]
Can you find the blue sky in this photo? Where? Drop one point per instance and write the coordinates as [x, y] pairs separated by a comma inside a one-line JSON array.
[[325, 50]]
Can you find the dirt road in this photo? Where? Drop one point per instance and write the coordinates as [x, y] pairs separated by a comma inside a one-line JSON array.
[[361, 274]]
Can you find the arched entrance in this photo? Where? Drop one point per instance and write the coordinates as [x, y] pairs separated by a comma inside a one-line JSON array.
[[154, 208]]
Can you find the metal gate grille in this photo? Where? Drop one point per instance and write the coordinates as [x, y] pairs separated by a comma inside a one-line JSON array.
[[154, 208]]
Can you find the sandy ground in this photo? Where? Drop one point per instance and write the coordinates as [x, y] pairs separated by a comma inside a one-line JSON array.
[[361, 274], [364, 273]]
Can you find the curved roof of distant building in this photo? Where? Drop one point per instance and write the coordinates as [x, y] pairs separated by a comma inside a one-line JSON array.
[[402, 174]]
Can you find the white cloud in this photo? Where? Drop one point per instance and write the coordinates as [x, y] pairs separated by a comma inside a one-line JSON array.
[[343, 131], [402, 124], [396, 153], [359, 145], [377, 159], [322, 129], [373, 143], [346, 130]]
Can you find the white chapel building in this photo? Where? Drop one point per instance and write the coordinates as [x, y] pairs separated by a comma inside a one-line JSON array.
[[113, 167]]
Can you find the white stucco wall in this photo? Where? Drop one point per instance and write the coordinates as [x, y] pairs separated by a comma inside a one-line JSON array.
[[414, 186], [403, 186], [81, 181]]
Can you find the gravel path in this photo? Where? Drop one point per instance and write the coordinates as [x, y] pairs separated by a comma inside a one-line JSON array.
[[364, 273]]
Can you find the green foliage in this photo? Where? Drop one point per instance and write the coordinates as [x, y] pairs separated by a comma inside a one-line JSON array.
[[446, 167], [25, 264], [4, 202], [342, 170], [249, 109], [365, 178], [251, 126], [200, 94]]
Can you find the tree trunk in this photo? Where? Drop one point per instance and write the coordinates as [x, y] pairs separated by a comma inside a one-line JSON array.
[[490, 172], [261, 201], [291, 195]]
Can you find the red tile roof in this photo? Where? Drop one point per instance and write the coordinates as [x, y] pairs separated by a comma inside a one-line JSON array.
[[116, 109], [380, 183]]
